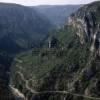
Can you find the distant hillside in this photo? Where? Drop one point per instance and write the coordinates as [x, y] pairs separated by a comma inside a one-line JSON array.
[[58, 15], [21, 28]]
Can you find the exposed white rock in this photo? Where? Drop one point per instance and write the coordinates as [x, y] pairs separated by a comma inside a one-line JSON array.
[[17, 93], [86, 31]]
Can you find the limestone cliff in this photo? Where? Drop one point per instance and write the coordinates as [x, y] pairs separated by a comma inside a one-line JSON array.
[[87, 24]]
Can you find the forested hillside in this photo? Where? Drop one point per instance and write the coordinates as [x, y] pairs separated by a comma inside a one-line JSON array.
[[21, 28]]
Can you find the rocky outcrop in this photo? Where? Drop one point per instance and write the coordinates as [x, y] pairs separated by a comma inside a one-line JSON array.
[[53, 42], [87, 27]]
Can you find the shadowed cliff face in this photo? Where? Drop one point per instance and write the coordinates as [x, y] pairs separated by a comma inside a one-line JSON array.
[[6, 91], [5, 63]]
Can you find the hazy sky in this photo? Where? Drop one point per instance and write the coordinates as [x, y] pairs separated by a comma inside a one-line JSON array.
[[49, 2]]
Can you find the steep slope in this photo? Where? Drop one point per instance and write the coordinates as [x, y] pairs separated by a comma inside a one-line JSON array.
[[22, 27], [58, 15], [68, 71], [6, 93], [87, 23]]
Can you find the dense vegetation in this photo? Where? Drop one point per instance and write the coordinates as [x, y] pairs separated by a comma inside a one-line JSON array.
[[53, 69], [63, 68], [69, 66]]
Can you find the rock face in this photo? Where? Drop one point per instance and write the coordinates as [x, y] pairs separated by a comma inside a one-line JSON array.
[[53, 42], [87, 26]]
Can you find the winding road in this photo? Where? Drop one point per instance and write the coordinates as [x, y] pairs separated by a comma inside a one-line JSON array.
[[54, 92]]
